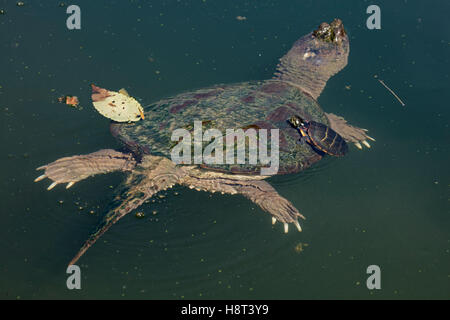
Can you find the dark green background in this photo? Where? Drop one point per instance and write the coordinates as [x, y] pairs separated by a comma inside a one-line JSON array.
[[388, 205]]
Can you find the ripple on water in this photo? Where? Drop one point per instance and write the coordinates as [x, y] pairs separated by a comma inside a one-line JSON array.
[[285, 181]]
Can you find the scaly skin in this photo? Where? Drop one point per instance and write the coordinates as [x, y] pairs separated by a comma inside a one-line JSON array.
[[155, 174], [314, 58], [252, 187], [73, 169], [349, 132]]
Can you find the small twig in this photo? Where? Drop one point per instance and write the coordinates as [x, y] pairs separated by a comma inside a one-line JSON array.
[[393, 93]]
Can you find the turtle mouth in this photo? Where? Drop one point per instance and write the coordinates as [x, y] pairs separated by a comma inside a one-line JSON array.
[[332, 33]]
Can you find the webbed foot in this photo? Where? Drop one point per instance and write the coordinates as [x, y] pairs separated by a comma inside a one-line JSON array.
[[350, 133], [73, 169]]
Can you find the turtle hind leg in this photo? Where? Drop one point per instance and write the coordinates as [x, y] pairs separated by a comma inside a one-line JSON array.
[[258, 191], [154, 174], [350, 133], [73, 169]]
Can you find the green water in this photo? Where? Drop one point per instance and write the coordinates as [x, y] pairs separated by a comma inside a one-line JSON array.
[[388, 205]]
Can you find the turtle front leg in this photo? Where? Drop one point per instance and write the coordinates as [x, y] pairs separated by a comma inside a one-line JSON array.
[[258, 191], [349, 132], [73, 169]]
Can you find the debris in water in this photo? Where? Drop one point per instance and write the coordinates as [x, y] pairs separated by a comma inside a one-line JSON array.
[[241, 18], [117, 106], [140, 215], [393, 93], [300, 247], [72, 101], [69, 100]]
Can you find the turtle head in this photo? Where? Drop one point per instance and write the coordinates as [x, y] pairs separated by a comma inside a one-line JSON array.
[[315, 57], [297, 122]]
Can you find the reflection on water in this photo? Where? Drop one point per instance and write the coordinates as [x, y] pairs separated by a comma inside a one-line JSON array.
[[387, 205]]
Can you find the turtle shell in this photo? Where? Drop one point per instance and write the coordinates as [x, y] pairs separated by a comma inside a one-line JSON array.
[[258, 105], [326, 139]]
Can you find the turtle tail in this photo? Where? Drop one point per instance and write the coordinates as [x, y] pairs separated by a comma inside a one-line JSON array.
[[132, 202], [154, 174]]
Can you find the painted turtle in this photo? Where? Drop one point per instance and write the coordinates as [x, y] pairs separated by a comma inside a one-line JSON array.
[[320, 136]]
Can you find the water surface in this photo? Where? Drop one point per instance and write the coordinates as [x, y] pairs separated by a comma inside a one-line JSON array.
[[388, 205]]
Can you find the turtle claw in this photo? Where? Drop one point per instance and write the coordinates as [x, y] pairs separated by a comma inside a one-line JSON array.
[[286, 225], [41, 168], [364, 142], [358, 145], [40, 178], [52, 186], [70, 184], [299, 228], [370, 138]]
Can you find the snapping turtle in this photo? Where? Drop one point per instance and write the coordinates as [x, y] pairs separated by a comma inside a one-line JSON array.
[[300, 78]]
